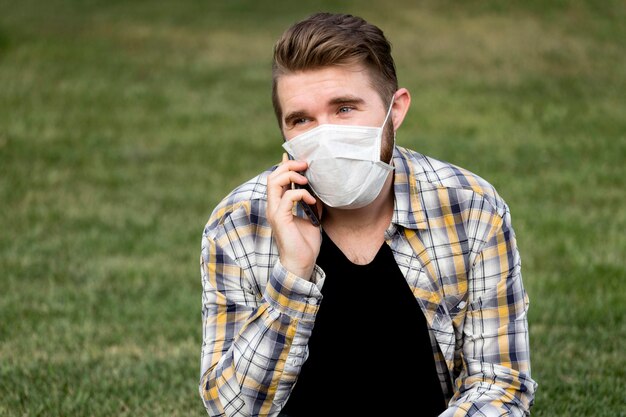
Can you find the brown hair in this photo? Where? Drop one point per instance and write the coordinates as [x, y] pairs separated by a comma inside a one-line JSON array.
[[324, 40]]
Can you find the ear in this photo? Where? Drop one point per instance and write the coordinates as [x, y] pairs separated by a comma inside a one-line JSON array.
[[401, 104]]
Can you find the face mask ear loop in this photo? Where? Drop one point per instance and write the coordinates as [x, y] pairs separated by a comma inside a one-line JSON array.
[[388, 113], [382, 128]]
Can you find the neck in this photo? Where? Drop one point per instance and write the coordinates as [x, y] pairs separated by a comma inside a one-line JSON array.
[[375, 215]]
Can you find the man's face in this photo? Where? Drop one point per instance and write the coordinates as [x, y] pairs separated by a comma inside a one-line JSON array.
[[332, 95]]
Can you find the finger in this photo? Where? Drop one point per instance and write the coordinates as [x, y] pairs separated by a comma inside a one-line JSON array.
[[278, 183], [289, 165], [278, 186], [292, 196], [284, 168], [285, 179]]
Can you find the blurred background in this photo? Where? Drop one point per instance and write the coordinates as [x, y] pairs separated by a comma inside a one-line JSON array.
[[123, 123]]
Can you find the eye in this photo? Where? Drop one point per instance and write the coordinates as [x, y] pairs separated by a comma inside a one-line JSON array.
[[299, 121], [293, 122], [345, 109]]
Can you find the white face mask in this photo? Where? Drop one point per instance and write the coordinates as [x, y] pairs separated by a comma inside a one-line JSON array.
[[345, 170]]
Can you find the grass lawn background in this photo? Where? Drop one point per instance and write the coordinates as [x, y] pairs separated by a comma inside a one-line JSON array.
[[122, 124]]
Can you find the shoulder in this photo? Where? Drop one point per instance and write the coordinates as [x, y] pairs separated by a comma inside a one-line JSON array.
[[245, 201], [431, 173]]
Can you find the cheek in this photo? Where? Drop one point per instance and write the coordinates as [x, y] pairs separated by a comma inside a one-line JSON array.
[[386, 148]]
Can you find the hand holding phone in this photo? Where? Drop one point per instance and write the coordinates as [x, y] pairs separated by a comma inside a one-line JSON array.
[[298, 240], [310, 210]]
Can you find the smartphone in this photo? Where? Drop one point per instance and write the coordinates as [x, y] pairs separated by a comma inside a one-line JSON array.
[[310, 210]]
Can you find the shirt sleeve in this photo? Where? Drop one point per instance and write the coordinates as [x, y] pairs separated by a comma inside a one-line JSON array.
[[496, 379], [248, 337]]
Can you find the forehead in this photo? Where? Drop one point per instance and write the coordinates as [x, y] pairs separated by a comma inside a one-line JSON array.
[[303, 89]]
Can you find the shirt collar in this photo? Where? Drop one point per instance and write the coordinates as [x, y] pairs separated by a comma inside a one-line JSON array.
[[408, 210]]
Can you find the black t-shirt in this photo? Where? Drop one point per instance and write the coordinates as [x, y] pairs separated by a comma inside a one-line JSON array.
[[370, 353]]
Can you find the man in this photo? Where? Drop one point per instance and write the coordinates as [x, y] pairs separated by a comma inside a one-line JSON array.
[[406, 300]]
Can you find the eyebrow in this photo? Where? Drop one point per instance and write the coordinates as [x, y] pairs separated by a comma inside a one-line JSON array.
[[299, 114], [346, 100]]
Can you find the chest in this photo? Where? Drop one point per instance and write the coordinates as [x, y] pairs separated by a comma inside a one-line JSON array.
[[359, 248], [368, 316], [373, 295]]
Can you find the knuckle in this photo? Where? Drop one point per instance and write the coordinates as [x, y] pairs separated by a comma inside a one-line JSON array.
[[295, 194]]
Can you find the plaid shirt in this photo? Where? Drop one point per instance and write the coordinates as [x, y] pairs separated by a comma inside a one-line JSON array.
[[452, 238]]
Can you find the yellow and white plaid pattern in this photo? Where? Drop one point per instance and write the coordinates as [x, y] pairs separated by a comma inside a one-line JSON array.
[[452, 238]]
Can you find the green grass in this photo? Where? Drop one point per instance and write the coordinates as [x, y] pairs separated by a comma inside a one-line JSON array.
[[123, 123]]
